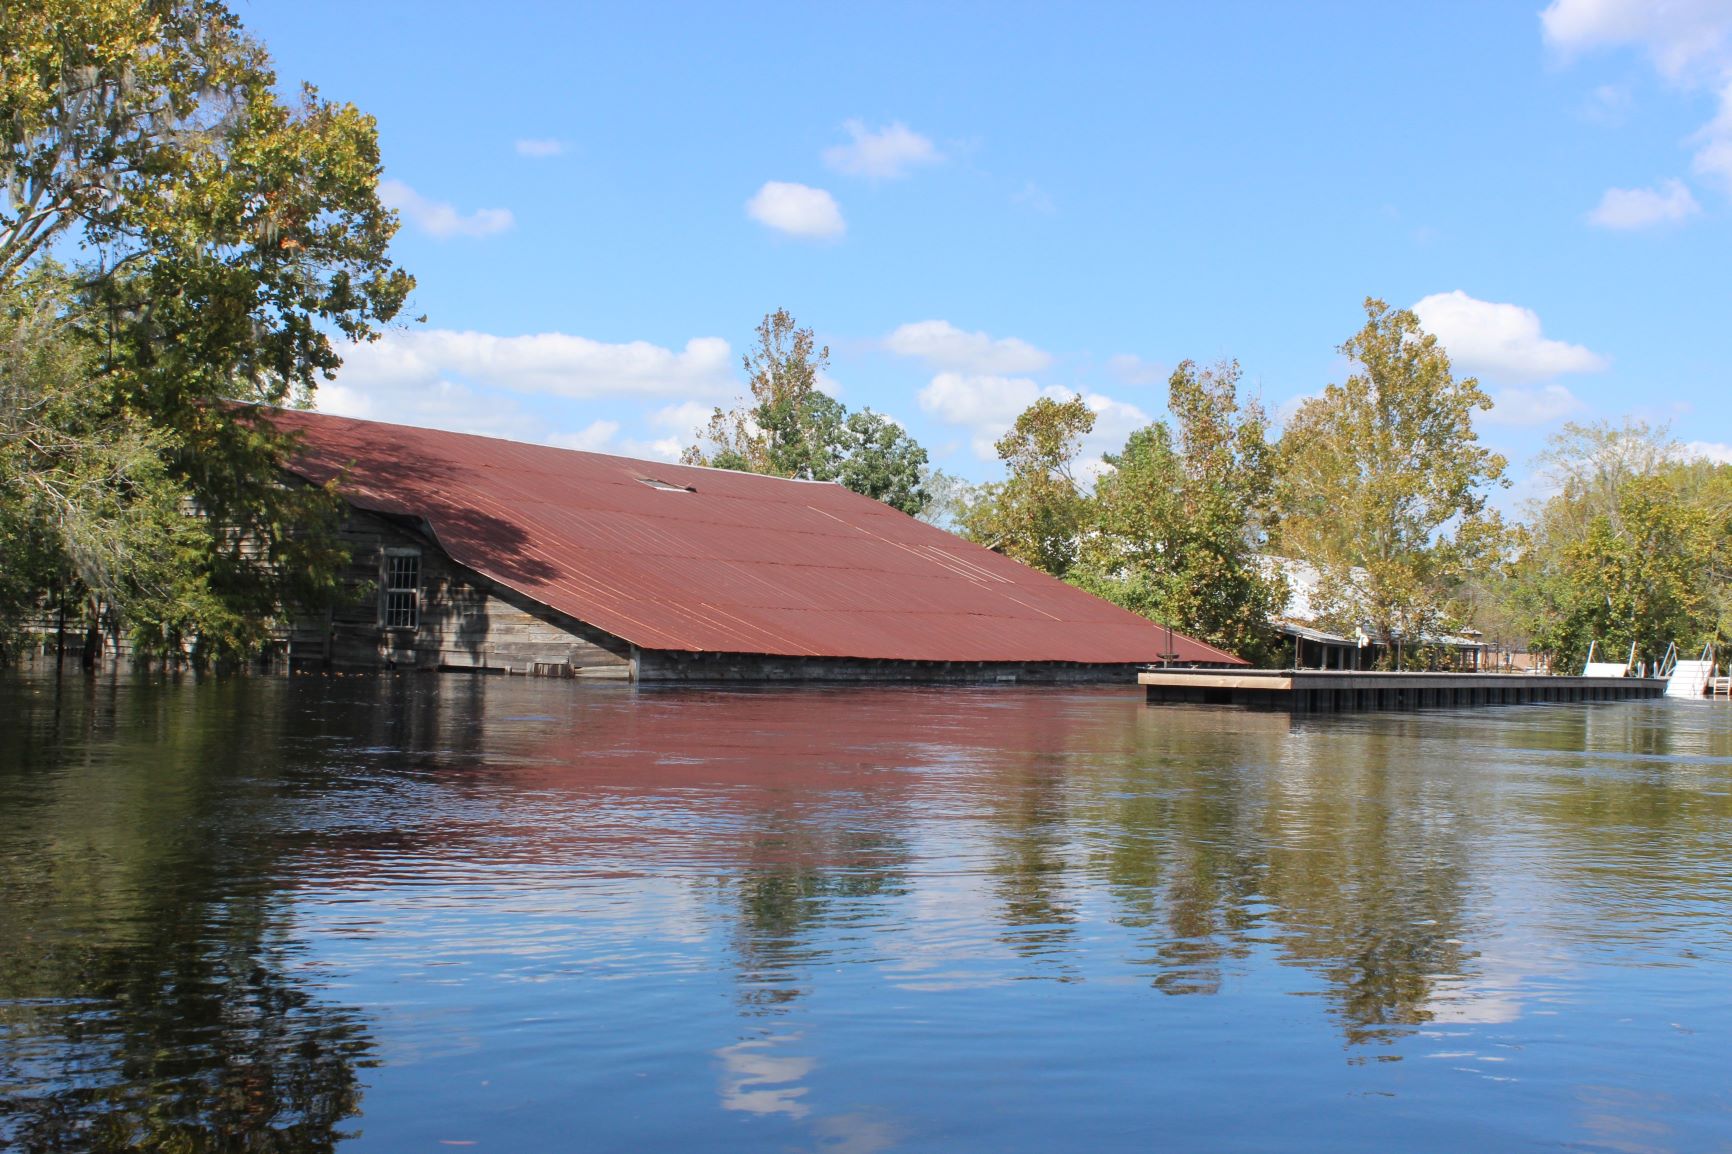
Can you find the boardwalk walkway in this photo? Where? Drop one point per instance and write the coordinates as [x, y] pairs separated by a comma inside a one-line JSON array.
[[1336, 691]]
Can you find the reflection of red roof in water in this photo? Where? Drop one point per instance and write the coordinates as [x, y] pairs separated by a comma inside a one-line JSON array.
[[703, 560]]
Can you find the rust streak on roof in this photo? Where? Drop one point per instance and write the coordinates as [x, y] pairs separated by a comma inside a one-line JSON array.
[[738, 564]]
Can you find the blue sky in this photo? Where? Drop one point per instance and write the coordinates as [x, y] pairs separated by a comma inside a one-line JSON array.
[[973, 204]]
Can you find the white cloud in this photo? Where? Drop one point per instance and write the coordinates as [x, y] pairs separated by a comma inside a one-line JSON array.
[[683, 419], [1689, 43], [439, 218], [437, 404], [1502, 341], [797, 209], [1541, 406], [985, 405], [1629, 208], [944, 346], [556, 363], [1681, 37], [1707, 450], [1714, 158], [480, 383], [1115, 421], [886, 154], [988, 405], [1134, 370], [540, 147], [603, 437], [593, 438]]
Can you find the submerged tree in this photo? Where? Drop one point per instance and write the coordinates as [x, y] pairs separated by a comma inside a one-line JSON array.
[[1384, 484], [1629, 551], [790, 428], [227, 242], [1036, 514], [880, 460], [90, 511], [948, 498], [1175, 528], [1635, 579]]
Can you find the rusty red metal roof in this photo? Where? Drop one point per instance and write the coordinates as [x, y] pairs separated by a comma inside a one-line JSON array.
[[705, 560]]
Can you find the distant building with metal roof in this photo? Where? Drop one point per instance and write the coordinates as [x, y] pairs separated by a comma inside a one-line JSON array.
[[1312, 647], [484, 554]]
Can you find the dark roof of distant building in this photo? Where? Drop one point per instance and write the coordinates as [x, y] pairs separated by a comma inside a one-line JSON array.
[[685, 558]]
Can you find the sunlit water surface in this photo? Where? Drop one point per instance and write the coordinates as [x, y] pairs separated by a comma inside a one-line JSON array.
[[433, 913]]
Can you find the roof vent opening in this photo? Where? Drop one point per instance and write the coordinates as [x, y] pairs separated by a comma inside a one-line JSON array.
[[665, 486]]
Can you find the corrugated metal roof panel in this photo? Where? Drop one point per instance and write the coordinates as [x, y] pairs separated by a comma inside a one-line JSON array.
[[738, 564]]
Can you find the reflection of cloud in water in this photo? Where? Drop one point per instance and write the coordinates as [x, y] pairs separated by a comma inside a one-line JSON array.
[[1498, 993], [1627, 1121], [756, 1081], [1514, 965], [947, 937], [855, 1134], [762, 1083]]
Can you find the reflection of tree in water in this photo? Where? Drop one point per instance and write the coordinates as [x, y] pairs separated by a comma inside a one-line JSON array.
[[1190, 892], [1350, 863], [1642, 836], [1031, 837], [147, 998], [800, 875]]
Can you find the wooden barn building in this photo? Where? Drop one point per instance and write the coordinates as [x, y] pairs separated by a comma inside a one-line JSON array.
[[476, 554]]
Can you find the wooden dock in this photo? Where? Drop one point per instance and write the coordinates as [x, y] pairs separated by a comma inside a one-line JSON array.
[[1352, 691]]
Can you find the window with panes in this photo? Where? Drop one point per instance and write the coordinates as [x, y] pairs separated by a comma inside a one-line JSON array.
[[400, 591]]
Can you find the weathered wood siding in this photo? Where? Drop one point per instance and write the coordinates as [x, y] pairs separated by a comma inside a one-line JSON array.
[[466, 621]]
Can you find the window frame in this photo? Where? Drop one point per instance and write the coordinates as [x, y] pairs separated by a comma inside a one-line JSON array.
[[394, 614]]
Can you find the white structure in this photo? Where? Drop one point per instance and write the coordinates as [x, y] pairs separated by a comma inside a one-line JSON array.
[[1691, 678], [1608, 668]]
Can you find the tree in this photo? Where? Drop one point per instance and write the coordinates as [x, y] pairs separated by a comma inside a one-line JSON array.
[[227, 242], [1590, 465], [1174, 529], [880, 460], [789, 428], [1036, 514], [1634, 579], [948, 497], [89, 510], [150, 133], [1384, 482], [1630, 550]]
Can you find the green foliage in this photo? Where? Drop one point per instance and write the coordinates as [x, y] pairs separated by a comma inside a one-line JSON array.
[[231, 231], [1631, 550], [1036, 514], [1173, 531], [231, 240], [1383, 484], [88, 505], [1636, 577], [791, 429], [882, 461], [97, 518]]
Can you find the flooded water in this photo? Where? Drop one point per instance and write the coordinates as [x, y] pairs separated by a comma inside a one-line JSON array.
[[440, 913]]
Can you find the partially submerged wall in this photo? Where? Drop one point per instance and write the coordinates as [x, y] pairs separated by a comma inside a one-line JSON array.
[[674, 666], [462, 621]]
